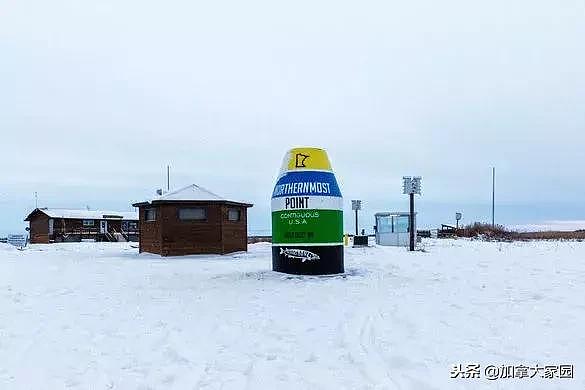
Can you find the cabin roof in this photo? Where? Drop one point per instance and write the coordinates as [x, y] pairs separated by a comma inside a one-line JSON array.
[[190, 193], [394, 214], [85, 214]]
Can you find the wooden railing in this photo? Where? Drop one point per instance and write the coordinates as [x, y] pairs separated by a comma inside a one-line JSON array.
[[93, 232]]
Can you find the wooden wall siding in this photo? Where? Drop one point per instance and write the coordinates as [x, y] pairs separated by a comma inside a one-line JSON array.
[[150, 233], [190, 237], [39, 229], [235, 234], [170, 236]]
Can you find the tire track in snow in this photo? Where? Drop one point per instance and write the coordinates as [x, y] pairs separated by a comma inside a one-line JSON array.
[[361, 337]]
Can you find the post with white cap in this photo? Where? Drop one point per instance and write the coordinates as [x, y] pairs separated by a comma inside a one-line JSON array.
[[356, 205]]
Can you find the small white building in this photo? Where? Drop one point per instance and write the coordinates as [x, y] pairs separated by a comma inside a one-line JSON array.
[[392, 228]]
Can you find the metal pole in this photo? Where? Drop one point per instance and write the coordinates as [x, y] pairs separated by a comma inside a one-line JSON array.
[[411, 222], [36, 200], [356, 222], [493, 196], [168, 178]]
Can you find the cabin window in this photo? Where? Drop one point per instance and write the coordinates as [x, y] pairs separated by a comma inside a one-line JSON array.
[[193, 214], [87, 222], [128, 225], [234, 215], [150, 215]]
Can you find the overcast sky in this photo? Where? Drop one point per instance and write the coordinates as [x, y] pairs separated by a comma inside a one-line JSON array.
[[96, 98]]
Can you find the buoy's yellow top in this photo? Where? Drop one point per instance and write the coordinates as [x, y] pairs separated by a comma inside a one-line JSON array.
[[306, 158]]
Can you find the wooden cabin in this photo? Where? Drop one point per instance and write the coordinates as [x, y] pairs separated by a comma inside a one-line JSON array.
[[192, 220], [65, 225]]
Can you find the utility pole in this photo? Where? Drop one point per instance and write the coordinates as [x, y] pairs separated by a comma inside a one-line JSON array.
[[493, 196], [168, 178]]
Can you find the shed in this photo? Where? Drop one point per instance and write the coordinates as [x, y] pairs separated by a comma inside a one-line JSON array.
[[392, 228], [192, 220], [47, 225]]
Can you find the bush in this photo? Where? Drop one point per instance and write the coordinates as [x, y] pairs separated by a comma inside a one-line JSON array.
[[256, 239], [499, 232], [486, 230]]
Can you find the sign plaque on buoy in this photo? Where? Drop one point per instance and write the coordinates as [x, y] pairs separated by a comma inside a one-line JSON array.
[[307, 215]]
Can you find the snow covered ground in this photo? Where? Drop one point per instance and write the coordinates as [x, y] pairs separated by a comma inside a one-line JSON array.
[[101, 316]]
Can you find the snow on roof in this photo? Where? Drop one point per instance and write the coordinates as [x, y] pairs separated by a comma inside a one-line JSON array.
[[394, 214], [192, 192], [89, 214]]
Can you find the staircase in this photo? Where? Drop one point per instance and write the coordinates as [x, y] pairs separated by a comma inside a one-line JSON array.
[[115, 236]]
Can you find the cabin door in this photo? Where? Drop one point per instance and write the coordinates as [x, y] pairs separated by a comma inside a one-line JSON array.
[[51, 226], [103, 227]]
